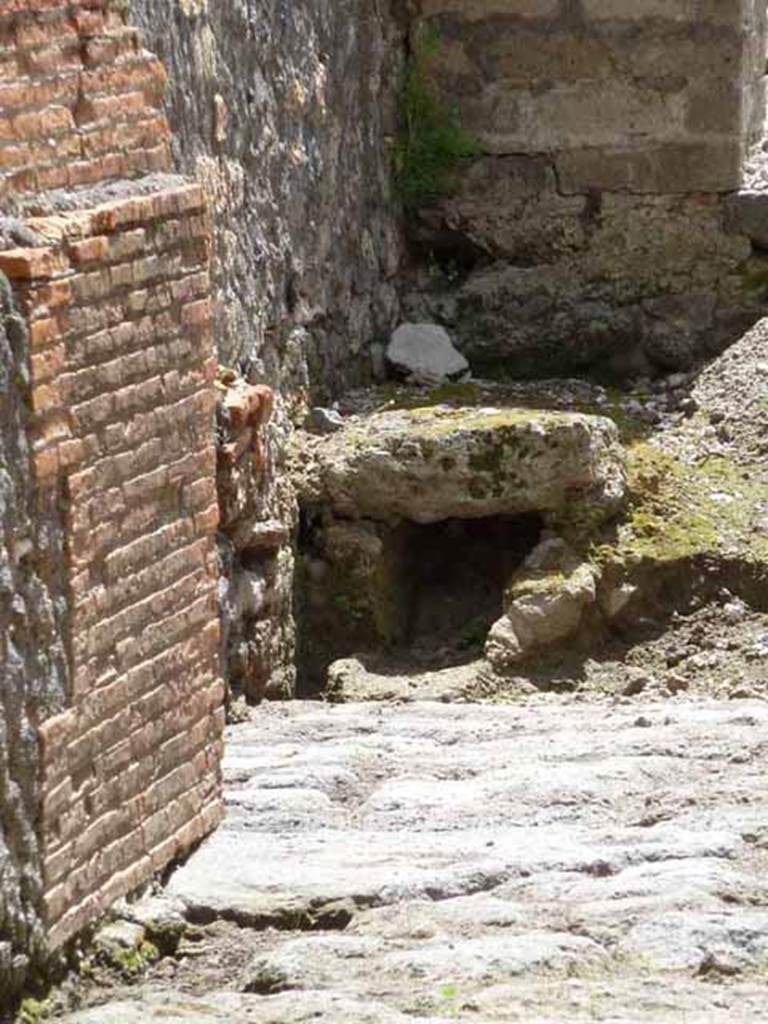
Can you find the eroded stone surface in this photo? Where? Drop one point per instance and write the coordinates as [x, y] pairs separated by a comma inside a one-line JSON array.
[[32, 660], [224, 1007], [553, 860], [544, 604], [435, 463]]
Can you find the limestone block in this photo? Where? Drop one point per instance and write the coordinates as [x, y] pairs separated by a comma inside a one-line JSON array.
[[668, 10], [711, 166], [599, 113], [437, 463], [478, 10], [714, 105], [524, 58]]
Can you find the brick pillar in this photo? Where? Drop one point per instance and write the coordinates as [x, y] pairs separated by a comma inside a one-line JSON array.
[[115, 290]]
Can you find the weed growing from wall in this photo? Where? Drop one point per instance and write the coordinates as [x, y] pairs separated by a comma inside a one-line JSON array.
[[431, 144]]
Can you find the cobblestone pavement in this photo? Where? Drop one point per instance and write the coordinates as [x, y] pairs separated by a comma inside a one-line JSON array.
[[554, 860]]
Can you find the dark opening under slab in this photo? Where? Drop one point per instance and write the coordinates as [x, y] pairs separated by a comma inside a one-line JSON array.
[[425, 592], [452, 576]]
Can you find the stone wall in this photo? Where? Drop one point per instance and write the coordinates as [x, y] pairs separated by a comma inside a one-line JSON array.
[[648, 96], [595, 221], [283, 112], [111, 730]]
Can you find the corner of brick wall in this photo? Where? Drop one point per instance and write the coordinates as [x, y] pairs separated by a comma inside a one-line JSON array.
[[80, 99]]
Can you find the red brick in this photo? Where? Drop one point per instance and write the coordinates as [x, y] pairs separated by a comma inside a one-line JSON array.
[[48, 122], [54, 60], [78, 451], [46, 397], [43, 333], [128, 243], [48, 364], [144, 73], [41, 300], [27, 264], [89, 22], [52, 177], [59, 864], [90, 250]]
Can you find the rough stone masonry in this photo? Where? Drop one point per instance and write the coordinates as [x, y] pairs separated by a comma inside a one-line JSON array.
[[595, 230], [284, 112], [109, 629]]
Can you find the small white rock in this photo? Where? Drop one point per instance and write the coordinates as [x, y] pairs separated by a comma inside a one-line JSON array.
[[425, 353]]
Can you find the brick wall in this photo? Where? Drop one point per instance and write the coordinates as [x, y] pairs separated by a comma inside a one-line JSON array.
[[114, 287], [79, 97]]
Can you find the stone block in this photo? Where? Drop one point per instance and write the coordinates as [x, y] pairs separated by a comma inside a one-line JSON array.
[[606, 113], [526, 58], [675, 167], [715, 106], [494, 116], [720, 12], [747, 214], [669, 58], [478, 10]]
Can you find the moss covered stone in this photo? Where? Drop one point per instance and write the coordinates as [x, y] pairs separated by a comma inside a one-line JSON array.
[[439, 462]]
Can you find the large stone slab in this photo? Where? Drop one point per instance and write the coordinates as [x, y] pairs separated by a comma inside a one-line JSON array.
[[438, 463]]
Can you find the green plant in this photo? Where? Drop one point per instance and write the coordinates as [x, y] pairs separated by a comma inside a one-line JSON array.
[[347, 605], [431, 144], [33, 1011], [449, 1001]]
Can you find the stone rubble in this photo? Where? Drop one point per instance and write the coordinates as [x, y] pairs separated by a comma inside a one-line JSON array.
[[323, 421], [544, 604]]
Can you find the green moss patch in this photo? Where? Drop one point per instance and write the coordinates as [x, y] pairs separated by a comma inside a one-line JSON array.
[[678, 512]]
